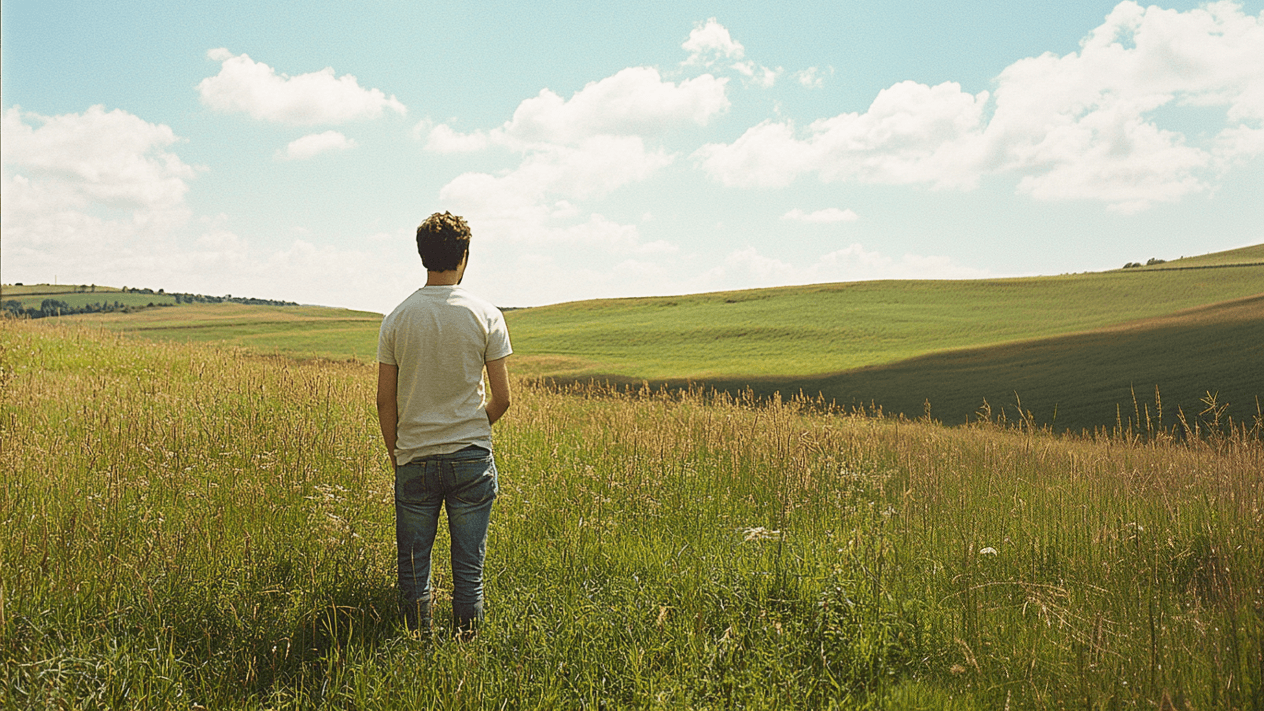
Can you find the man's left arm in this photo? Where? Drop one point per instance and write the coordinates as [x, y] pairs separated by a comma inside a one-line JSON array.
[[498, 383]]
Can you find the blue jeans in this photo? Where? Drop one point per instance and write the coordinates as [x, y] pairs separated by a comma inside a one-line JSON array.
[[465, 484]]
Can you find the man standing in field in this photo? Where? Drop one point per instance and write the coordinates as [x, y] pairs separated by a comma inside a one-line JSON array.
[[437, 424]]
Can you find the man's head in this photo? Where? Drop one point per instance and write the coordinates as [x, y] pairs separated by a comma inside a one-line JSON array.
[[443, 241]]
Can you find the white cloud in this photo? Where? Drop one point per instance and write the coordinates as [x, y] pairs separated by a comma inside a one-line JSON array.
[[760, 76], [709, 41], [594, 168], [316, 143], [811, 78], [112, 158], [315, 98], [576, 150], [634, 101], [829, 214], [1079, 126], [710, 44], [1073, 127], [442, 139], [912, 133], [89, 181], [99, 197]]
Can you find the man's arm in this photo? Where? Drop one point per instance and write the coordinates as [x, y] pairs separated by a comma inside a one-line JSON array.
[[498, 381], [388, 405]]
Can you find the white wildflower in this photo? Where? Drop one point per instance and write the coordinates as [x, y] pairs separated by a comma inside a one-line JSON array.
[[759, 533]]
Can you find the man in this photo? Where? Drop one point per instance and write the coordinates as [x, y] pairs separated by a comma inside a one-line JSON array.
[[437, 425]]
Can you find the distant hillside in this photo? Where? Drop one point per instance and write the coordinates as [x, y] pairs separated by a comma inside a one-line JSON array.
[[811, 331], [1071, 347], [1253, 255], [299, 331], [53, 300], [1073, 381]]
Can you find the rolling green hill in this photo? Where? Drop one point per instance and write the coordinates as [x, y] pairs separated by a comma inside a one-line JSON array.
[[1076, 381], [828, 328], [1243, 255], [31, 295], [1073, 348], [300, 331]]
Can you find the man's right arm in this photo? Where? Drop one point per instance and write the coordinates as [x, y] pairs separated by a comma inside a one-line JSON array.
[[498, 383], [388, 405]]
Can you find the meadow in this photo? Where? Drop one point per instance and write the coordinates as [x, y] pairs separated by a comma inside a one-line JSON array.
[[811, 331], [204, 527], [77, 295], [1075, 352], [296, 331]]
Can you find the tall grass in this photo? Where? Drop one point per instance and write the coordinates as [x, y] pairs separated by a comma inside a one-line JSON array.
[[191, 527]]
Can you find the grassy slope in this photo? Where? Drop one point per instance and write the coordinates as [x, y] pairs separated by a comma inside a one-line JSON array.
[[1077, 345], [816, 330], [306, 331], [1074, 381], [1243, 255], [32, 295]]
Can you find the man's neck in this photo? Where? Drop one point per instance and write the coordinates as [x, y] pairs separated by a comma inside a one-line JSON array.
[[452, 277]]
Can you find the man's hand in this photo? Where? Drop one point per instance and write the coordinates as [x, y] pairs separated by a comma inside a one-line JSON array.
[[388, 406], [498, 382]]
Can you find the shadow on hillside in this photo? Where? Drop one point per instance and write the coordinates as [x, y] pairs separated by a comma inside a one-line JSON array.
[[1073, 382]]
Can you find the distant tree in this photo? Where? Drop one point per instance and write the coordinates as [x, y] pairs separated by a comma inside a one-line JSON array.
[[54, 307], [1154, 260]]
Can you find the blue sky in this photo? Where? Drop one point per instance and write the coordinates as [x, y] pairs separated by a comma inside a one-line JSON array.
[[599, 150]]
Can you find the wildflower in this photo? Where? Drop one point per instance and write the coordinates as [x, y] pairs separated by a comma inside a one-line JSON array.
[[988, 551], [759, 533]]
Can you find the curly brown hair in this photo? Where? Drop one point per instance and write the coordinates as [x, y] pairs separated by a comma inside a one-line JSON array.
[[443, 240]]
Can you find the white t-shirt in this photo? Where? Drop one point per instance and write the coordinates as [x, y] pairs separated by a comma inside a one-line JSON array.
[[440, 337]]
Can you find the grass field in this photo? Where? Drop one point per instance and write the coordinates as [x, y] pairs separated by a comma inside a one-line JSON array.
[[1077, 381], [200, 527], [300, 331], [1073, 351], [829, 328], [77, 295], [1243, 255]]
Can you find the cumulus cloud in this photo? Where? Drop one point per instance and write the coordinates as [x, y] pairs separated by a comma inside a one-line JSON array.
[[606, 136], [1079, 126], [99, 197], [758, 75], [634, 101], [710, 41], [315, 98], [912, 133], [710, 44], [316, 143], [99, 175], [442, 139], [829, 214], [112, 157]]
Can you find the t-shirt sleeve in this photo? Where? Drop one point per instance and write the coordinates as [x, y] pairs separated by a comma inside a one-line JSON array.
[[497, 338], [386, 342]]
